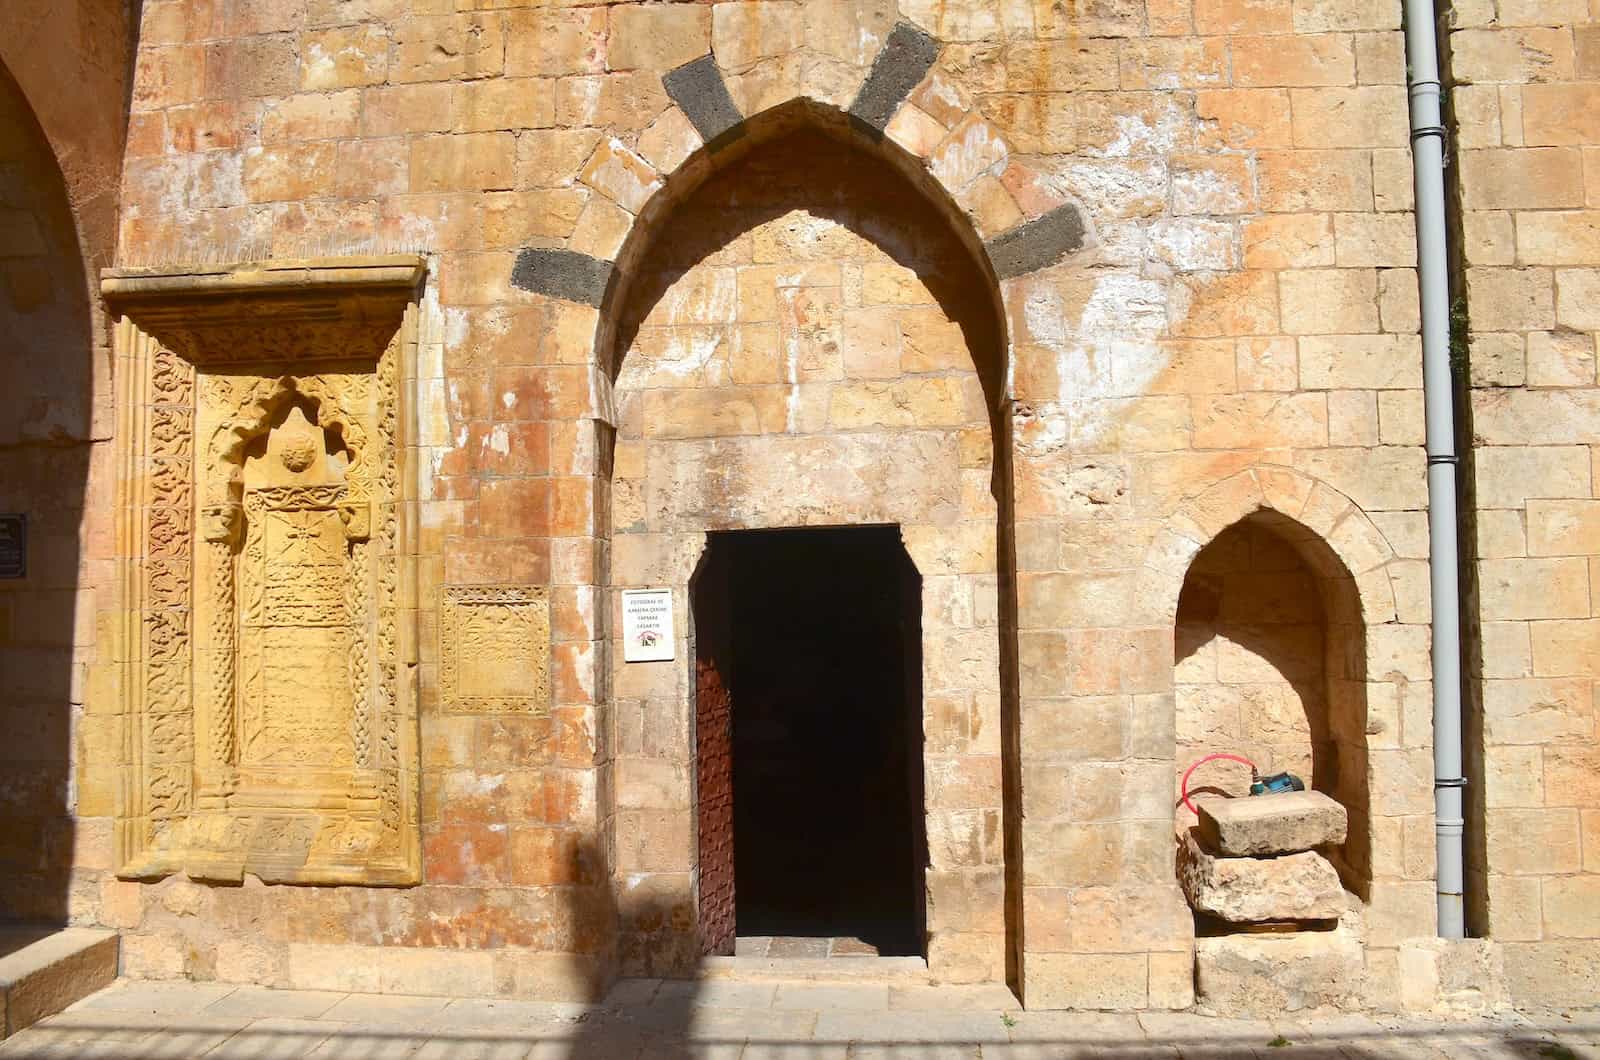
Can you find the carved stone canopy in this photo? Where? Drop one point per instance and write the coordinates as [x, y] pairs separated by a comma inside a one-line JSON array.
[[282, 311]]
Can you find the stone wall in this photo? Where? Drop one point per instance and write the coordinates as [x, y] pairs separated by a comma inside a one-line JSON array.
[[63, 78], [1250, 304], [73, 61], [1130, 274], [44, 465], [1526, 133]]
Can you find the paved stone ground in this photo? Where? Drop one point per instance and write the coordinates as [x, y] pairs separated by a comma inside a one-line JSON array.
[[728, 1019]]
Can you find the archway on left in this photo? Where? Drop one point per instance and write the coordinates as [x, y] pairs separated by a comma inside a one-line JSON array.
[[46, 441]]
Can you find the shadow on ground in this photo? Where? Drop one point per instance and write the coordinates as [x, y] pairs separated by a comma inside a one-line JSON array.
[[720, 1019]]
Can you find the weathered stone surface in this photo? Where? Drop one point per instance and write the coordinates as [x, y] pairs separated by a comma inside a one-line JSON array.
[[1246, 890], [1560, 972], [1285, 823], [620, 175], [1268, 975], [494, 649], [1452, 976]]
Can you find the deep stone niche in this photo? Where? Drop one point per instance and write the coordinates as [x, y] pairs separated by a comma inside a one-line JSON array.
[[264, 564]]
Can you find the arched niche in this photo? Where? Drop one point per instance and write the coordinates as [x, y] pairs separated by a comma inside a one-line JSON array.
[[765, 134], [263, 409], [1270, 664], [47, 343]]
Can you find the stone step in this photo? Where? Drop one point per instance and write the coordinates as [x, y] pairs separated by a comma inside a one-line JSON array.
[[43, 970], [1265, 976], [896, 970]]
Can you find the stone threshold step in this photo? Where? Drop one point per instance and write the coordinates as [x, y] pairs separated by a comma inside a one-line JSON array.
[[43, 970], [895, 970]]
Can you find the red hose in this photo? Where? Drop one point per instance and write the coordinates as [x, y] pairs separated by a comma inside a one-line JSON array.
[[1184, 787]]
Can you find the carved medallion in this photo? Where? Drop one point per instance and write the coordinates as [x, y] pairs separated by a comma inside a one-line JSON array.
[[494, 649]]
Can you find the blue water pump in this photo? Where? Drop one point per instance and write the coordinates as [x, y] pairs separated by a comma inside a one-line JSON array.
[[1275, 783]]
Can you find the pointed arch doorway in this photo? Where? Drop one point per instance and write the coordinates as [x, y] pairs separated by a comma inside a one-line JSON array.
[[806, 340]]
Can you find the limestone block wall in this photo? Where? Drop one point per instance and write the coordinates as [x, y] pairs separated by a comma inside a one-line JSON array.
[[1195, 220], [73, 62], [45, 457], [1249, 304], [1526, 135], [62, 89]]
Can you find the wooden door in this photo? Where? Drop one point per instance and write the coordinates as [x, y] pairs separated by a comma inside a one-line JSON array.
[[713, 701]]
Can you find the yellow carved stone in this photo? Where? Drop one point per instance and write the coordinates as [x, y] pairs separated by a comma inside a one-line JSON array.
[[270, 730]]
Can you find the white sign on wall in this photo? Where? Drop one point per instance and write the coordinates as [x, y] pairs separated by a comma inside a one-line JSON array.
[[646, 625]]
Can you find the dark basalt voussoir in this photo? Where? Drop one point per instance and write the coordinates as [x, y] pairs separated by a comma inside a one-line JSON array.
[[699, 91], [1038, 243], [900, 66], [563, 274]]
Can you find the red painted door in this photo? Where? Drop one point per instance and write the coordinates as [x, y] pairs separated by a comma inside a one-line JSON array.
[[714, 753]]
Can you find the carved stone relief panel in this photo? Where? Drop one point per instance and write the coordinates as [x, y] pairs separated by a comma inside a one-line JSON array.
[[165, 468], [272, 726], [494, 649]]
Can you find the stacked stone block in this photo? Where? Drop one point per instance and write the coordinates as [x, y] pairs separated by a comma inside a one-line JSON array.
[[1270, 905], [1254, 860]]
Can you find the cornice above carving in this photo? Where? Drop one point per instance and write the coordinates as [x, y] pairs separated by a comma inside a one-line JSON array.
[[282, 311]]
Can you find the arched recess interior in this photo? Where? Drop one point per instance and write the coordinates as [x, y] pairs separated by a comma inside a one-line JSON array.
[[1351, 562], [759, 132], [804, 135], [48, 327]]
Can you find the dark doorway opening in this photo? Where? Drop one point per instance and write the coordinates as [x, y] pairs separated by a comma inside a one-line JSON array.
[[809, 680]]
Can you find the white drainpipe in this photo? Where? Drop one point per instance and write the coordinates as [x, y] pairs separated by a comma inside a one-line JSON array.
[[1427, 160]]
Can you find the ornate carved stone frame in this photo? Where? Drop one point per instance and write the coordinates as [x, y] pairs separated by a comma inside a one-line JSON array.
[[208, 362]]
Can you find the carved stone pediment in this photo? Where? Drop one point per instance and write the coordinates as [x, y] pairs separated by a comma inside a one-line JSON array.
[[271, 726]]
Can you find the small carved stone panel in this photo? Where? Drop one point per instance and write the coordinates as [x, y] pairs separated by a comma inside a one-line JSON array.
[[494, 649]]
